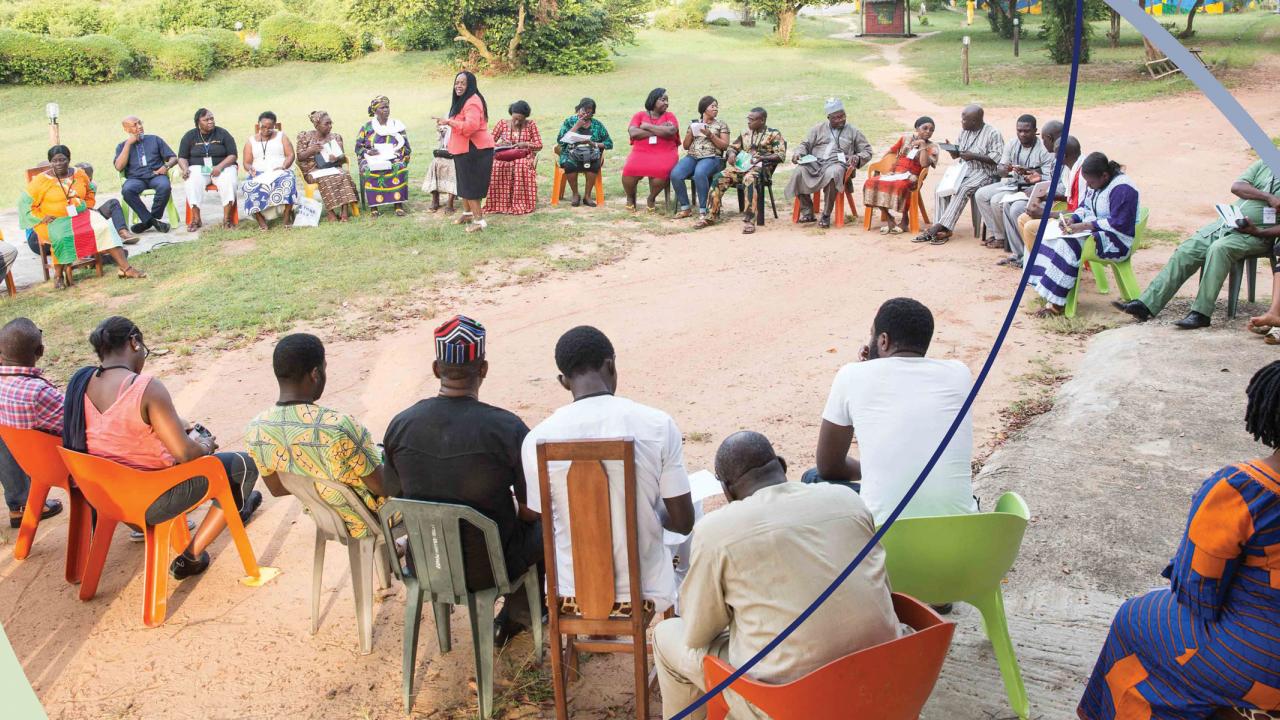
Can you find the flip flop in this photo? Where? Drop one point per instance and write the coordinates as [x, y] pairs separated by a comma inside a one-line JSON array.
[[884, 230], [748, 229], [895, 230], [1047, 312], [51, 508], [1259, 329], [923, 237], [939, 239], [1272, 339]]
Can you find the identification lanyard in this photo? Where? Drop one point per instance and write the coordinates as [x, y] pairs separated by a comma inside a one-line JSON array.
[[1017, 155], [755, 143], [142, 152]]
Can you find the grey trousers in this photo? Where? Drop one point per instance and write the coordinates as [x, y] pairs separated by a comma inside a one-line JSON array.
[[951, 207], [16, 483], [1012, 235], [988, 199]]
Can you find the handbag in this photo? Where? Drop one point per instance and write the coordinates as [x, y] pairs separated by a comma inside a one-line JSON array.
[[585, 155], [512, 154], [950, 181], [442, 153]]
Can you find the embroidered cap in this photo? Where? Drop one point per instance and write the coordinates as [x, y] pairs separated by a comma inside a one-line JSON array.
[[460, 341], [834, 105]]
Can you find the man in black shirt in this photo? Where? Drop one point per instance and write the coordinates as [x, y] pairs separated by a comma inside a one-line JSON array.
[[452, 448], [207, 156]]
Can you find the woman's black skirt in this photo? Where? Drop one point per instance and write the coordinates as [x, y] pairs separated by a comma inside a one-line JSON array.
[[473, 168]]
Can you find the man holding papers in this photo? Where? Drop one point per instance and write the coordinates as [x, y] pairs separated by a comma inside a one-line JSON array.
[[757, 563], [1215, 248], [1025, 162], [826, 160]]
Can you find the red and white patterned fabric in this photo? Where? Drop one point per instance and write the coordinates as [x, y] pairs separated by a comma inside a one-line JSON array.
[[513, 189]]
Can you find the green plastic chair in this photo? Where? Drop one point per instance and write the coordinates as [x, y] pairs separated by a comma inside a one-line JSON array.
[[172, 210], [1122, 269], [964, 558], [435, 546]]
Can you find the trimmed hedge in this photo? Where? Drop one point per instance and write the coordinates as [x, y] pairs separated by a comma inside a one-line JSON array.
[[186, 57], [75, 18], [292, 37], [228, 49], [30, 59]]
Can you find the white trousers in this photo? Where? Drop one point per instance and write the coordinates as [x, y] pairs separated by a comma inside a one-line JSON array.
[[225, 184]]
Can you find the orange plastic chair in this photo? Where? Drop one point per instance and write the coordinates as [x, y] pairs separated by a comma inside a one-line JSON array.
[[889, 681], [37, 455], [915, 206], [122, 494], [235, 210], [557, 187], [843, 198]]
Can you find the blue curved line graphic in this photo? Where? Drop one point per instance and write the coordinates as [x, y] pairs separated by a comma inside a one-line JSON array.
[[955, 424], [1195, 71]]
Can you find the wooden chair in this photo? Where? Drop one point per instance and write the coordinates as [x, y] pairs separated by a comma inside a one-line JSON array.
[[915, 210], [591, 532], [8, 284], [45, 253], [37, 454], [889, 681]]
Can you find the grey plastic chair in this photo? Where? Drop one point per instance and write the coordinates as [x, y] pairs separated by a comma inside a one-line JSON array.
[[368, 554], [437, 569]]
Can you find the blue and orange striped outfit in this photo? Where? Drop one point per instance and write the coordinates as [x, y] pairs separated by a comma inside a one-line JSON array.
[[1212, 640]]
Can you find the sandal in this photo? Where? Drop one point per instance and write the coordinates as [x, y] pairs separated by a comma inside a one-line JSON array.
[[477, 226], [1272, 338], [895, 230], [464, 219], [824, 222], [683, 214], [631, 208], [400, 212], [884, 230], [1048, 311], [701, 223], [575, 202], [191, 227], [1259, 329], [939, 239], [748, 228], [51, 508], [131, 272], [806, 219], [373, 212], [923, 237]]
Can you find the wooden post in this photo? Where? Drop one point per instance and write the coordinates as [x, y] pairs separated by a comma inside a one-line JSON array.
[[1017, 31], [964, 56], [54, 134]]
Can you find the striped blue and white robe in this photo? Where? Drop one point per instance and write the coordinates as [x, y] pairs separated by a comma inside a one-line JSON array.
[[1113, 214]]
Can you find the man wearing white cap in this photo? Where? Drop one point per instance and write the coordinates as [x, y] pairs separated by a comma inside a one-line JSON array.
[[826, 161]]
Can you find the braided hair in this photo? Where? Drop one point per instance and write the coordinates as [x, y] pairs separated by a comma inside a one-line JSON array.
[[1262, 417]]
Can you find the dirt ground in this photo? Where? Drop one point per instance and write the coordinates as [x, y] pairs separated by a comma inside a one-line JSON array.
[[725, 332]]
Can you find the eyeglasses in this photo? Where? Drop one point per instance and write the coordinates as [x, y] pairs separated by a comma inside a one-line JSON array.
[[146, 351]]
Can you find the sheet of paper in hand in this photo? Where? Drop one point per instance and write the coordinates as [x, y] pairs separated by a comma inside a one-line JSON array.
[[696, 128], [571, 137], [702, 485], [806, 160], [1055, 231], [1013, 198], [1230, 214], [949, 147]]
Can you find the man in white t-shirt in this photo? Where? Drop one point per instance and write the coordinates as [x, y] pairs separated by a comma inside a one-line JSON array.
[[900, 405], [585, 359]]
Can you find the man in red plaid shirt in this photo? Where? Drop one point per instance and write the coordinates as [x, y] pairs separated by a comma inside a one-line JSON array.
[[27, 401]]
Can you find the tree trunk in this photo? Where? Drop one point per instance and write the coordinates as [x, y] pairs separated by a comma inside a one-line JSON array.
[[786, 24], [1153, 53], [1114, 35], [480, 47], [747, 19], [1191, 20], [515, 40]]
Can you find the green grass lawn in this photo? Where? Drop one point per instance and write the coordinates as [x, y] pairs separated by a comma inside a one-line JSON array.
[[231, 286], [1231, 43]]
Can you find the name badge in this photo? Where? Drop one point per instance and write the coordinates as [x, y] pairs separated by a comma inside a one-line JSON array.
[[653, 139], [143, 161], [72, 210], [1269, 216], [208, 162], [914, 152], [841, 157]]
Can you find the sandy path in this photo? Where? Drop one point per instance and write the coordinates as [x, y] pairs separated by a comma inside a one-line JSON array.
[[722, 331]]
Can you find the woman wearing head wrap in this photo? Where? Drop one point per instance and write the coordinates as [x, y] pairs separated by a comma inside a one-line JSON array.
[[323, 161], [514, 188], [586, 155], [382, 148], [892, 191], [472, 148], [207, 157], [56, 207], [655, 143]]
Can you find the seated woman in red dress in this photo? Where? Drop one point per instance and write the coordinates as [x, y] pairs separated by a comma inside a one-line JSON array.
[[513, 190], [892, 192], [655, 143]]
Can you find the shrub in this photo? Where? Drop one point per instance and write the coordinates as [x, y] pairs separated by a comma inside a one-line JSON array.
[[292, 37], [186, 57], [28, 58], [76, 18], [142, 46], [228, 49], [573, 43], [421, 33], [720, 22], [683, 14], [184, 15]]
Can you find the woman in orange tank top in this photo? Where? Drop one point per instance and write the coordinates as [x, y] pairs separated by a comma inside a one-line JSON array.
[[129, 418]]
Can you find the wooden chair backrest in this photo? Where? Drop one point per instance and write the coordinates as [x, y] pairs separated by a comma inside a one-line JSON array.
[[590, 522]]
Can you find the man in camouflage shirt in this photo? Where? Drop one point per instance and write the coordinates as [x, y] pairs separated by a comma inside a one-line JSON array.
[[766, 148]]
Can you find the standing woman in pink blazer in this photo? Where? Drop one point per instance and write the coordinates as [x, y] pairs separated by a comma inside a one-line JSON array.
[[471, 145]]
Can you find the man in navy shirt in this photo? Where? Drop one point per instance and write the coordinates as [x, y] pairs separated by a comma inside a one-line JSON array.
[[145, 161]]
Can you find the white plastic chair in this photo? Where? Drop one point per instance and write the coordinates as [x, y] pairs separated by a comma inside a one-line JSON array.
[[368, 554]]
